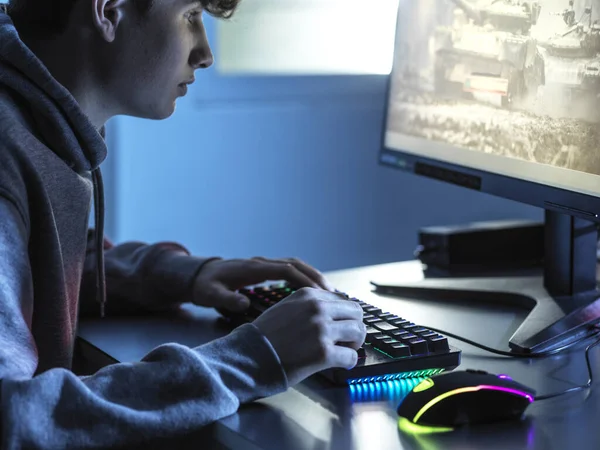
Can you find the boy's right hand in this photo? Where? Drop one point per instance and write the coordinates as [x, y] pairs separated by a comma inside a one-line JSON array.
[[313, 330]]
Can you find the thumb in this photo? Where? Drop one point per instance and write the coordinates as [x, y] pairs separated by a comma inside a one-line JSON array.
[[223, 297]]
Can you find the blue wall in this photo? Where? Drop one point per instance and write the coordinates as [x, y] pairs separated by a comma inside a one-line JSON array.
[[278, 166]]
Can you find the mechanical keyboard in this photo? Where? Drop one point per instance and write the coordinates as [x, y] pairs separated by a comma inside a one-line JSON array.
[[395, 348]]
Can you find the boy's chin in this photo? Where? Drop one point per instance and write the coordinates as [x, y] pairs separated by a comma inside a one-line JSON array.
[[159, 113], [166, 113]]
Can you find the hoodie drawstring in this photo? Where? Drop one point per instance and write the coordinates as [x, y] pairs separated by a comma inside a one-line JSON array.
[[99, 238]]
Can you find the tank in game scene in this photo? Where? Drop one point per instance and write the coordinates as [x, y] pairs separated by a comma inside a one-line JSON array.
[[572, 57], [488, 48], [515, 78]]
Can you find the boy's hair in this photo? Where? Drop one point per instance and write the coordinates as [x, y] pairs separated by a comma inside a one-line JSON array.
[[51, 17]]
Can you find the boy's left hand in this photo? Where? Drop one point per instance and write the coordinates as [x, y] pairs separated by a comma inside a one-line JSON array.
[[218, 280]]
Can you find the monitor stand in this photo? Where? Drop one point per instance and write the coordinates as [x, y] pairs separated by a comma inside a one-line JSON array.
[[564, 300]]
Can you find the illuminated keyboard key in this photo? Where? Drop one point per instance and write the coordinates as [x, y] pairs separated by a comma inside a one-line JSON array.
[[399, 350], [438, 344], [384, 326]]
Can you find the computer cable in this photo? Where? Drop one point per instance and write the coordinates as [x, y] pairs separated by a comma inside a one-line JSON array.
[[540, 355], [580, 387], [511, 354]]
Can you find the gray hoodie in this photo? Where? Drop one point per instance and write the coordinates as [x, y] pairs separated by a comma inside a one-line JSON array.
[[51, 273]]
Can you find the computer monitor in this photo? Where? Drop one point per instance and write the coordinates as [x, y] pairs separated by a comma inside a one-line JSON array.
[[503, 97]]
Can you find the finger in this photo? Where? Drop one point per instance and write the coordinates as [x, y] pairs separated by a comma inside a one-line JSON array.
[[281, 270], [342, 357], [222, 297], [311, 273], [338, 309], [348, 333]]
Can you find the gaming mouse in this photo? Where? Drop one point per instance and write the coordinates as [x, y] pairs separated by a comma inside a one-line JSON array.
[[465, 397]]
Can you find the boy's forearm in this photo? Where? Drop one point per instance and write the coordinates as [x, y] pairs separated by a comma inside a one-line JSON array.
[[139, 277], [174, 390]]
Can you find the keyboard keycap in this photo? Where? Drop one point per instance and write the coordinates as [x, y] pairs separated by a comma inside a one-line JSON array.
[[391, 317], [385, 345], [419, 330], [439, 344], [399, 350], [372, 333], [372, 310], [261, 290], [399, 322], [418, 346], [377, 340], [406, 338], [386, 316], [398, 333], [372, 320], [384, 326], [429, 334], [362, 354]]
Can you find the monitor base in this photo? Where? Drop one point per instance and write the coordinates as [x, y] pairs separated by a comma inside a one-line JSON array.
[[552, 322]]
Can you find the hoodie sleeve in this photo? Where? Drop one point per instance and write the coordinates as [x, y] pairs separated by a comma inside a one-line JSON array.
[[173, 390], [139, 277]]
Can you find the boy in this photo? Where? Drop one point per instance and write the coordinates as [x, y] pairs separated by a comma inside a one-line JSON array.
[[66, 67]]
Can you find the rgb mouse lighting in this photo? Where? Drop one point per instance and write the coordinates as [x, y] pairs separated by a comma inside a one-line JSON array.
[[469, 389], [408, 427]]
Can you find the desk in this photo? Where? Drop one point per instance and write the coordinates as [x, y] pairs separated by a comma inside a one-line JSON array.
[[315, 415]]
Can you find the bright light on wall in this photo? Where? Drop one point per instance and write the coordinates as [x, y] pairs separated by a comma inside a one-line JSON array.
[[308, 37]]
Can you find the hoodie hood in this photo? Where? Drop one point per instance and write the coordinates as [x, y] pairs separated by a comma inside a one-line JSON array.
[[59, 122], [64, 127]]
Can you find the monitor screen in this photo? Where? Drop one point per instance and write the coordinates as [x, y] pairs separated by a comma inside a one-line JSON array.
[[507, 87], [503, 96]]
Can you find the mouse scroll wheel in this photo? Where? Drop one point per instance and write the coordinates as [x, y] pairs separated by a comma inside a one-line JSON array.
[[482, 372]]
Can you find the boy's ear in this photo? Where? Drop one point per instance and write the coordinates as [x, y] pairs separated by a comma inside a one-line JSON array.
[[107, 16]]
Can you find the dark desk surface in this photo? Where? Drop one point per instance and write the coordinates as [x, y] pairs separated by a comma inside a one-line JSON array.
[[315, 415]]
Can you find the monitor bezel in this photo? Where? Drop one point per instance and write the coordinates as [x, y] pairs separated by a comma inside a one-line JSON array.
[[524, 191]]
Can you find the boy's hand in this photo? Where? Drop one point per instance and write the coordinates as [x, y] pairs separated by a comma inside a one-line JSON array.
[[313, 330], [215, 284]]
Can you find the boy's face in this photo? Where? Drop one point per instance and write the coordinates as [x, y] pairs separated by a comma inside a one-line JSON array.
[[151, 59]]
